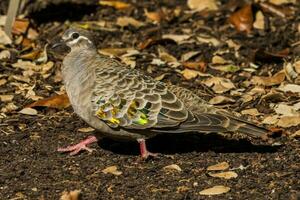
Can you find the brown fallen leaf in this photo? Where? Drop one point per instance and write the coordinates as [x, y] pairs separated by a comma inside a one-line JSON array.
[[216, 190], [3, 81], [218, 167], [172, 167], [112, 170], [251, 111], [57, 101], [126, 21], [280, 2], [219, 85], [31, 55], [116, 4], [190, 74], [28, 111], [259, 22], [225, 175], [288, 121], [6, 98], [176, 38], [200, 5], [72, 195], [220, 100], [182, 189], [290, 88], [200, 66], [20, 26], [269, 81], [242, 19], [86, 130], [156, 16]]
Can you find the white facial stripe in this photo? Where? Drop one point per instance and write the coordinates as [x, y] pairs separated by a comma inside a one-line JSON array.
[[79, 38]]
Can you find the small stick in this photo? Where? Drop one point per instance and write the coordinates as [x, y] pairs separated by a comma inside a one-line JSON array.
[[11, 14]]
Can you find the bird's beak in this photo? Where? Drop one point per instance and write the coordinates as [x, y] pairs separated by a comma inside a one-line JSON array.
[[57, 44]]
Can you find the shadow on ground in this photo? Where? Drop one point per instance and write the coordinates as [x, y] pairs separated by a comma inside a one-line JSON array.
[[184, 143]]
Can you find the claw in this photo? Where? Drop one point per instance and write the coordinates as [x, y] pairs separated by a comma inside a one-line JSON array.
[[75, 149], [143, 149]]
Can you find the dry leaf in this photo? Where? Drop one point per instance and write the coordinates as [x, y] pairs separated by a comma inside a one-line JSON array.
[[86, 130], [176, 38], [20, 26], [290, 72], [279, 2], [218, 60], [57, 101], [296, 134], [219, 85], [297, 64], [288, 121], [5, 54], [286, 110], [225, 175], [72, 195], [28, 111], [126, 21], [218, 167], [9, 107], [182, 189], [269, 81], [208, 39], [251, 111], [156, 17], [259, 21], [273, 119], [112, 170], [189, 55], [190, 74], [165, 56], [32, 34], [226, 68], [290, 88], [200, 5], [218, 189], [4, 39], [200, 66], [242, 19], [116, 4], [172, 167], [6, 98], [3, 81], [220, 100], [114, 51]]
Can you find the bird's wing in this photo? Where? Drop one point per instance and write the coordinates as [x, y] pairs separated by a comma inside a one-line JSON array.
[[206, 118], [125, 98]]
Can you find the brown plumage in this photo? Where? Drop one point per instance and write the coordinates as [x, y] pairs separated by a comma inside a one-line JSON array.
[[123, 103]]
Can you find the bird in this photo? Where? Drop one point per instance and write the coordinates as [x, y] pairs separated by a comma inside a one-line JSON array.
[[125, 104]]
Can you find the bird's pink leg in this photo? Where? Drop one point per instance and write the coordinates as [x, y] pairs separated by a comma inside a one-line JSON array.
[[75, 149], [143, 149]]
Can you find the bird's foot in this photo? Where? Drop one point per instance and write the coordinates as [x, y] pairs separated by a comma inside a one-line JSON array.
[[143, 149], [75, 149]]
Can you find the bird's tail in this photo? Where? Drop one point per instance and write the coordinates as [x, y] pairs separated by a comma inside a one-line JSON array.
[[245, 127]]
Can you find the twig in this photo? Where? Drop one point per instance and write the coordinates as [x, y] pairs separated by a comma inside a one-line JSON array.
[[11, 14]]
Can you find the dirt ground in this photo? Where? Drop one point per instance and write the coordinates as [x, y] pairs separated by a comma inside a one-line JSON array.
[[31, 168]]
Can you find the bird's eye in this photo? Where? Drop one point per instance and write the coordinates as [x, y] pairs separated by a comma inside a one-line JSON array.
[[75, 35]]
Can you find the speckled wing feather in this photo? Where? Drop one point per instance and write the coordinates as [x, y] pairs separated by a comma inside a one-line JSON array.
[[125, 98]]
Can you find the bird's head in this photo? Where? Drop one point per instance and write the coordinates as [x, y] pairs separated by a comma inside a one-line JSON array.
[[75, 38]]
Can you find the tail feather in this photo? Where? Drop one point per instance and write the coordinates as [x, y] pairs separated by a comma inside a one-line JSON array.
[[245, 127]]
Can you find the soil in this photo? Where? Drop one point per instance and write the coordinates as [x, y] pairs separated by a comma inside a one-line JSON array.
[[31, 168]]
